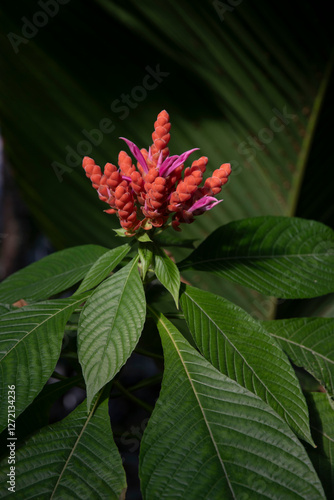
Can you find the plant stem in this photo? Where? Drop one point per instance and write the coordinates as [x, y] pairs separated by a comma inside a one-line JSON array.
[[133, 398], [147, 382], [149, 354], [57, 376], [72, 327]]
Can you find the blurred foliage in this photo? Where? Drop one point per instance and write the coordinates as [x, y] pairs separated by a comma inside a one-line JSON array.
[[248, 83]]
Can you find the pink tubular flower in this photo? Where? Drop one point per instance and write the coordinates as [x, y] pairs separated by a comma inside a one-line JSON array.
[[146, 196]]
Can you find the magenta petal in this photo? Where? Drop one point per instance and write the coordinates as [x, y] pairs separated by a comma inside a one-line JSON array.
[[181, 159], [159, 161], [203, 204], [166, 164], [136, 153]]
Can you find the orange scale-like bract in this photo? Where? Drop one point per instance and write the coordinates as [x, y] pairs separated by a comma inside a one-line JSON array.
[[213, 185], [93, 171], [125, 164], [185, 190], [124, 203], [161, 135], [158, 188], [156, 200]]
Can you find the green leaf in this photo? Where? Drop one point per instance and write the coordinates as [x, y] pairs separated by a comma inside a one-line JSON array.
[[321, 409], [209, 438], [31, 339], [103, 267], [120, 232], [143, 237], [309, 343], [110, 326], [167, 273], [75, 458], [280, 256], [146, 257], [238, 346], [50, 275], [5, 308], [37, 415]]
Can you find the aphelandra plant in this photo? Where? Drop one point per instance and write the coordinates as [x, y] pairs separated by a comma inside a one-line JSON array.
[[231, 420]]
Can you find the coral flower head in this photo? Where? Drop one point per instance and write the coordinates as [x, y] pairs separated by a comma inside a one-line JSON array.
[[147, 196]]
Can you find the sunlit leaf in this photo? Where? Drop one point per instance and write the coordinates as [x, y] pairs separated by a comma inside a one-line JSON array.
[[103, 267], [167, 273], [110, 326]]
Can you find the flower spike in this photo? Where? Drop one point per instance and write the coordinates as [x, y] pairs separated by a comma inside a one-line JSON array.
[[148, 196]]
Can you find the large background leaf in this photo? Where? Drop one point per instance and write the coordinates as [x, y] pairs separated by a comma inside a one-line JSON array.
[[76, 458], [227, 79], [209, 438]]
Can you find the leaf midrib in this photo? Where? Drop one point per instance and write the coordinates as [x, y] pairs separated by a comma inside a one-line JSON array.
[[75, 446], [244, 360], [43, 283], [94, 277], [106, 345], [247, 257], [40, 324], [199, 404], [303, 347]]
